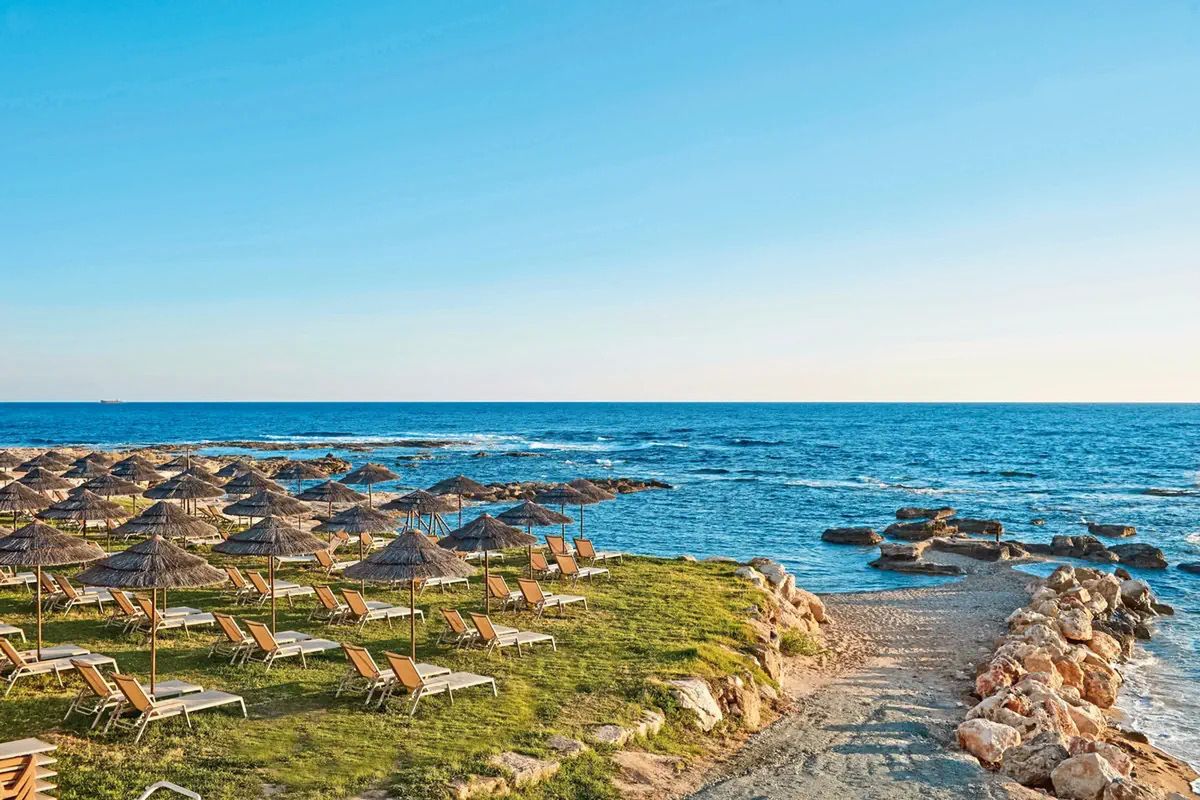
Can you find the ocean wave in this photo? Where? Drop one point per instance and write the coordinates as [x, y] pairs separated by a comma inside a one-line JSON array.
[[710, 471], [1016, 473], [755, 443], [1160, 492]]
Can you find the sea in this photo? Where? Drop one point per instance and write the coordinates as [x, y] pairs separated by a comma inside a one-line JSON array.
[[767, 479]]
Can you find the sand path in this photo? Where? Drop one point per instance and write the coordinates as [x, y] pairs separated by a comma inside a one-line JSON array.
[[883, 727]]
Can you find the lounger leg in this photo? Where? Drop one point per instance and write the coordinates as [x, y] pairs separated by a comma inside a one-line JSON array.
[[58, 676], [495, 691], [242, 703]]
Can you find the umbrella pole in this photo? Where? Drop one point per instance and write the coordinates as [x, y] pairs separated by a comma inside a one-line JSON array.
[[39, 610], [529, 551], [581, 536], [153, 640], [412, 619], [362, 585], [271, 571], [369, 497], [487, 594], [562, 509], [460, 511]]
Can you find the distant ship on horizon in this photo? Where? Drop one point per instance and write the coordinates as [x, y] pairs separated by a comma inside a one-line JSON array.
[[110, 402]]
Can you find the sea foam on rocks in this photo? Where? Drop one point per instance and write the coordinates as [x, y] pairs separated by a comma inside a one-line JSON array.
[[1040, 719]]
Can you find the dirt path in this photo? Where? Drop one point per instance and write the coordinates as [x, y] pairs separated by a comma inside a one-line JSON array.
[[883, 727]]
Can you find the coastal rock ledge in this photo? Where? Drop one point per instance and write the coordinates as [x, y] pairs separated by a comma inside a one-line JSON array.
[[1042, 719]]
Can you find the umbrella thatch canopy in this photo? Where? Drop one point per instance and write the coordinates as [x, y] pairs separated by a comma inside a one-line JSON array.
[[271, 537], [17, 497], [85, 468], [5, 476], [486, 533], [48, 460], [8, 459], [43, 480], [300, 471], [361, 521], [168, 521], [197, 471], [591, 489], [233, 469], [108, 485], [179, 462], [153, 564], [529, 515], [249, 482], [95, 457], [265, 503], [38, 545], [85, 506], [368, 475], [331, 492], [410, 557], [564, 494], [421, 503], [458, 485], [136, 468], [187, 488]]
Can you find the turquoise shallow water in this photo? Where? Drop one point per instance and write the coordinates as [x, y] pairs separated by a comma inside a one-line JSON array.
[[766, 479]]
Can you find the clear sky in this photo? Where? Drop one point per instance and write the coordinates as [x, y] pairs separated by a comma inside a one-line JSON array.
[[605, 201]]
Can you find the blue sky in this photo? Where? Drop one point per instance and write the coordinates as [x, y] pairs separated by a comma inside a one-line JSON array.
[[787, 201]]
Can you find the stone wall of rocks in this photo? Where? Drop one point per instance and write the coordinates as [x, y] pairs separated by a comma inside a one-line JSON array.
[[1041, 717]]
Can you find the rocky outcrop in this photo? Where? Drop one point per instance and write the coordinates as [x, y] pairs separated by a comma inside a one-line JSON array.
[[1111, 531], [1050, 680], [859, 536], [979, 550], [985, 527], [910, 551], [919, 531], [915, 512], [693, 695], [1088, 548], [916, 567], [1144, 556]]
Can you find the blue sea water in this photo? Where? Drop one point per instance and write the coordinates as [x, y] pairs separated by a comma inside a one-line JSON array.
[[766, 479]]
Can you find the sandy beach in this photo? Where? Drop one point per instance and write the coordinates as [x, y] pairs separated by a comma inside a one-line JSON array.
[[881, 723]]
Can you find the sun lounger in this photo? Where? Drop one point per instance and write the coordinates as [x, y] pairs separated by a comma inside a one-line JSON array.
[[237, 643], [128, 615], [20, 667], [98, 695], [283, 589], [409, 677], [444, 582], [328, 609], [497, 589], [457, 632], [328, 565], [72, 597], [10, 631], [146, 709], [268, 649], [537, 562], [558, 546], [364, 675], [243, 591], [163, 623], [24, 580], [493, 555], [361, 611], [585, 550], [26, 770], [48, 653], [569, 569], [494, 640], [538, 601]]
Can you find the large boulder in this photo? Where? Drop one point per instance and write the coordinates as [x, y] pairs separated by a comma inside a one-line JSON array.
[[987, 527], [973, 548], [751, 574], [693, 694], [1126, 789], [1086, 547], [903, 551], [1104, 645], [1100, 685], [1111, 531], [919, 531], [1061, 579], [1136, 596], [1031, 763], [1083, 777], [1144, 556], [1000, 673], [917, 567], [915, 512], [987, 740], [859, 536], [1075, 624]]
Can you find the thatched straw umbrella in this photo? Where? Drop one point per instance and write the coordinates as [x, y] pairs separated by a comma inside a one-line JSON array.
[[593, 491], [271, 537], [250, 482], [109, 486], [99, 456], [458, 485], [369, 475], [86, 468], [563, 495], [86, 506], [43, 480], [410, 557], [47, 460], [38, 545], [419, 504], [529, 515], [360, 521], [331, 492], [9, 459], [300, 471], [138, 469], [265, 503], [233, 469], [168, 521], [180, 463], [6, 476], [17, 497], [186, 488], [197, 471], [153, 564], [486, 533]]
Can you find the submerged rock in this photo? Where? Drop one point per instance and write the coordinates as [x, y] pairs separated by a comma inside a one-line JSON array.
[[1112, 531], [861, 536], [1191, 566]]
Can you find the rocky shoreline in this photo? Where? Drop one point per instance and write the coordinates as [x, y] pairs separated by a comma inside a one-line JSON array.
[[1043, 717]]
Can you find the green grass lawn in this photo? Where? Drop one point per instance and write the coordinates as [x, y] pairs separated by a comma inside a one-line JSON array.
[[656, 618]]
